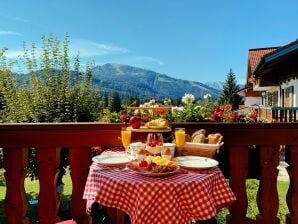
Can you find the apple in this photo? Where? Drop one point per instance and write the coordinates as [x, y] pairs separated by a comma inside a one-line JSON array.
[[143, 163], [135, 122]]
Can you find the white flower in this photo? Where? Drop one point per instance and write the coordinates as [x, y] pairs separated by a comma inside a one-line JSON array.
[[167, 101], [180, 108], [145, 105], [207, 96], [177, 109], [188, 98], [152, 102]]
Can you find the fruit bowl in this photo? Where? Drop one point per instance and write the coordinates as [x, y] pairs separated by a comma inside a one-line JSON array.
[[154, 166]]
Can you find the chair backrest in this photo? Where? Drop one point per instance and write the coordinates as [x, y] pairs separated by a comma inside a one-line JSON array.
[[67, 222]]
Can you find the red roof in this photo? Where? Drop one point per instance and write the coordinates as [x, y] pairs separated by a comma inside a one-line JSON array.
[[283, 47], [254, 55]]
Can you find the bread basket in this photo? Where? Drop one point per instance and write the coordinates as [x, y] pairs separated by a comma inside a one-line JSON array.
[[200, 149]]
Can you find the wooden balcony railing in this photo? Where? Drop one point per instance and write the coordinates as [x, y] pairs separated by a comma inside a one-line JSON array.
[[274, 114], [249, 151]]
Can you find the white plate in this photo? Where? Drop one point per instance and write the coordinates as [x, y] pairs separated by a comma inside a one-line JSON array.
[[112, 159], [196, 162]]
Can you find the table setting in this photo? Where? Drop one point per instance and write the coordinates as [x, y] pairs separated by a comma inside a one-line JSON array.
[[153, 185]]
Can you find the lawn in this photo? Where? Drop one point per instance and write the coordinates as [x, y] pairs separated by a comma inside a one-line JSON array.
[[32, 189]]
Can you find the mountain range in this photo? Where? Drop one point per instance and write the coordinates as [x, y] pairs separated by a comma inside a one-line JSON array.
[[143, 83]]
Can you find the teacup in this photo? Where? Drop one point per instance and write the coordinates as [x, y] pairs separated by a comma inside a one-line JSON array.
[[135, 146], [171, 146]]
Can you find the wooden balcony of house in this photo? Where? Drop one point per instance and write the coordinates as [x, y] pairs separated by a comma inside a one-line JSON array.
[[249, 151], [274, 114]]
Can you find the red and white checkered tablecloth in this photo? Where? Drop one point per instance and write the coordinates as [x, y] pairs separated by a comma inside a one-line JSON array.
[[176, 199]]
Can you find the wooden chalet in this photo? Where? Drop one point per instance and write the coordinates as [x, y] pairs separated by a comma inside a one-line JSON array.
[[272, 83]]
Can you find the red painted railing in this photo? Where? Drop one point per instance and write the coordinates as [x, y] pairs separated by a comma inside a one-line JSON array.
[[249, 151]]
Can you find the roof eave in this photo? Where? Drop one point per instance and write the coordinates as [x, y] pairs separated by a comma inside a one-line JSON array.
[[266, 59]]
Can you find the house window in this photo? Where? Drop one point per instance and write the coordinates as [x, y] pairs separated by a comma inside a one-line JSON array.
[[273, 99], [270, 99], [288, 95]]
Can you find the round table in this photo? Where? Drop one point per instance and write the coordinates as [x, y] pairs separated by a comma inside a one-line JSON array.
[[175, 199]]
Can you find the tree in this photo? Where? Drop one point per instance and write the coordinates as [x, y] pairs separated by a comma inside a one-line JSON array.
[[229, 94], [129, 100], [114, 102], [48, 91]]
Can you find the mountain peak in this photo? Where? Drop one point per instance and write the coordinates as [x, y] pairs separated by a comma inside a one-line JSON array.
[[143, 83]]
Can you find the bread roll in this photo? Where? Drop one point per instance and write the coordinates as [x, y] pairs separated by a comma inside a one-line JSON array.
[[166, 151], [199, 138], [201, 131], [142, 152], [188, 138], [215, 138]]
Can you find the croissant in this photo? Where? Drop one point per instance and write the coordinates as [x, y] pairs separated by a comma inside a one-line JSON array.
[[160, 122], [215, 138]]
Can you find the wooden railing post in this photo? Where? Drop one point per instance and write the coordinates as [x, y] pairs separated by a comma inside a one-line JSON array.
[[237, 164], [79, 160], [15, 204], [238, 157], [290, 115], [267, 197], [48, 160], [292, 195]]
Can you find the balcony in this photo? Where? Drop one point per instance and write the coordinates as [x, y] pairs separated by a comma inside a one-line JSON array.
[[274, 114], [249, 151]]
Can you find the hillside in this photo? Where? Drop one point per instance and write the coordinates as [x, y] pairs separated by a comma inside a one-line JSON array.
[[146, 83]]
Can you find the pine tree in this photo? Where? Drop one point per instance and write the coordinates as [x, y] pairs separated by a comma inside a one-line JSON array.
[[128, 100], [229, 94], [114, 102]]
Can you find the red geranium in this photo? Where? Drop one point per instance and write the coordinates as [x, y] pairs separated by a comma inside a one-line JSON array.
[[224, 113]]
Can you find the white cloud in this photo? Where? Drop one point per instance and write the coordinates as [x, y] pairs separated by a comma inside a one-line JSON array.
[[8, 32], [89, 48], [142, 60], [146, 59]]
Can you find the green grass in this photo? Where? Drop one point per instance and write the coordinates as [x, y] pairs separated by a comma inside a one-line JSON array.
[[252, 186], [252, 211], [32, 189]]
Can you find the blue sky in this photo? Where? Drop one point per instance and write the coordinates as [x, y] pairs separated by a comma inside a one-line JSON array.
[[194, 40]]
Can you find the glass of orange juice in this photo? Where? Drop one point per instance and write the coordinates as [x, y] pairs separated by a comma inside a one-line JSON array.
[[126, 138], [180, 137]]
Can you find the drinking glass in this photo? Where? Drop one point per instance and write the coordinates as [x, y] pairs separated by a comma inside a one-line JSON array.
[[126, 138], [154, 143], [180, 137]]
